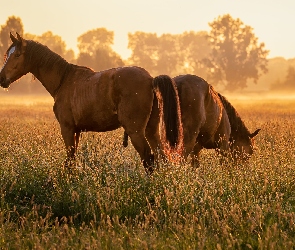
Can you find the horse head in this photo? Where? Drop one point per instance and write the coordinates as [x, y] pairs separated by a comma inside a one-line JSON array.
[[242, 147], [14, 58]]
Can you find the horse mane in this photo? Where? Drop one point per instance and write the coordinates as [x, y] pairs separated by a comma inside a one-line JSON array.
[[44, 57], [238, 127]]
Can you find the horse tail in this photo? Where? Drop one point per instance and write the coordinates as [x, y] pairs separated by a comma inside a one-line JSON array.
[[171, 130]]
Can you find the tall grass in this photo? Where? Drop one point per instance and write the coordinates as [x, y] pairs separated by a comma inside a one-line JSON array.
[[107, 202]]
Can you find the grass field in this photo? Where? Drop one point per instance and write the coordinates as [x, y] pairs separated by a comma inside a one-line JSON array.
[[107, 202]]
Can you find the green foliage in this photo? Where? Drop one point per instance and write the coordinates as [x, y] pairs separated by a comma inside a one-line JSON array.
[[107, 202], [236, 54]]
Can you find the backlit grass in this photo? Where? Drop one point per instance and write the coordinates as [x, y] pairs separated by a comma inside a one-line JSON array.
[[107, 201]]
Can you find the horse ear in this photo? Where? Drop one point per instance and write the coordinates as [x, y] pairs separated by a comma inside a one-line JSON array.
[[19, 37], [13, 38], [22, 41], [255, 133]]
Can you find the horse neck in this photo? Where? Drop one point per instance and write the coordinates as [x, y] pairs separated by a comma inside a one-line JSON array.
[[51, 79], [48, 67], [238, 127]]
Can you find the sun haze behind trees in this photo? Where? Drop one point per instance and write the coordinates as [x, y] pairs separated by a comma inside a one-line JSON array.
[[95, 50], [169, 54], [229, 56], [236, 54]]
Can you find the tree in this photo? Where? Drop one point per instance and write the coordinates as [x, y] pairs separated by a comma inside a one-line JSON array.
[[157, 54], [286, 86], [195, 48], [90, 41], [169, 54], [236, 54], [96, 51], [13, 24], [144, 47]]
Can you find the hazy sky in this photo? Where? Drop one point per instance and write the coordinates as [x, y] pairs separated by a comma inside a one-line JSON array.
[[273, 21]]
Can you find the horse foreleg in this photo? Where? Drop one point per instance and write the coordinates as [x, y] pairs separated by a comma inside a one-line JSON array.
[[69, 138], [223, 150]]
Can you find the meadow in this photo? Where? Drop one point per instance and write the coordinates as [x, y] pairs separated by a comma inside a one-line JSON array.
[[108, 202]]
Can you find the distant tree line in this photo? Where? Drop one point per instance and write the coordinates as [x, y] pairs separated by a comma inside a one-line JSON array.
[[229, 56]]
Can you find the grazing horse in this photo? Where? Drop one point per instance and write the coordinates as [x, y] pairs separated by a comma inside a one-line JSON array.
[[210, 121], [85, 100]]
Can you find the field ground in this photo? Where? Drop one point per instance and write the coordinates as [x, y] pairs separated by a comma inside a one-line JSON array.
[[107, 202]]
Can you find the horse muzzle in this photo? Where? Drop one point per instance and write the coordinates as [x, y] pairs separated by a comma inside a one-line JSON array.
[[4, 83]]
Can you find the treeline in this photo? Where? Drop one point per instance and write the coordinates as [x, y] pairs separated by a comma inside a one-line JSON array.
[[229, 56]]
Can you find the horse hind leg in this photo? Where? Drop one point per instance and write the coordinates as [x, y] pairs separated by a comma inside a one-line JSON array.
[[153, 138], [77, 139], [152, 132], [195, 163], [142, 147]]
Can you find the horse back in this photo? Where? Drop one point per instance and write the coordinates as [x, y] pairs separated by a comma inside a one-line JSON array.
[[192, 91], [201, 108], [95, 98]]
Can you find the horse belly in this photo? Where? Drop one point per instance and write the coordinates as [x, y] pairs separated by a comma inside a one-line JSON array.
[[206, 141], [100, 123], [94, 109]]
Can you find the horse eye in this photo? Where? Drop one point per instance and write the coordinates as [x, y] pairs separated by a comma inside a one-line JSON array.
[[17, 55]]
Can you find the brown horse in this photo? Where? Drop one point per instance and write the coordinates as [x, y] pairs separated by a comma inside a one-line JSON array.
[[85, 100], [210, 121]]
